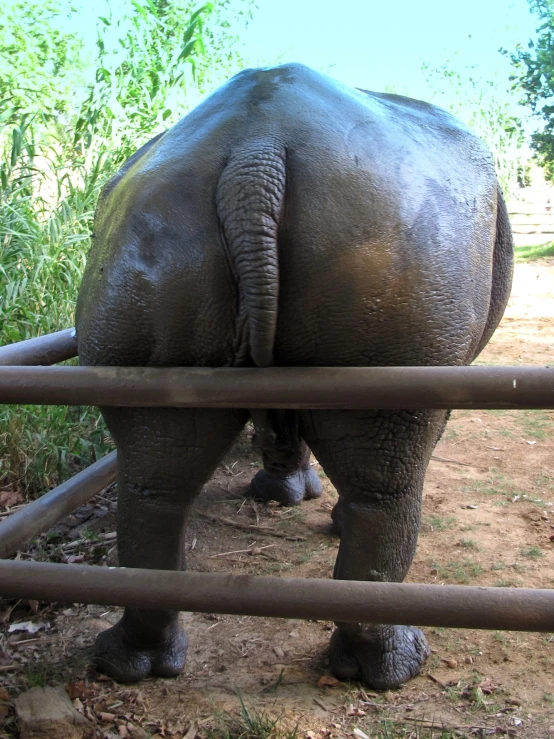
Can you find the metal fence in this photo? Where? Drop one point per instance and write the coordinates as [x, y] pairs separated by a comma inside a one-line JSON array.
[[282, 387]]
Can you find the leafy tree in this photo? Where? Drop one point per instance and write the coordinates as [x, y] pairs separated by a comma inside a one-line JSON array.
[[534, 76]]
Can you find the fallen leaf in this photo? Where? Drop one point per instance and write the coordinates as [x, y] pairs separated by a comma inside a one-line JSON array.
[[351, 711], [360, 734], [328, 681], [28, 626], [4, 695], [106, 716], [79, 689]]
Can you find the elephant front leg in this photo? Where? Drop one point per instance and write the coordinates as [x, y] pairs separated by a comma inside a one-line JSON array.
[[377, 461], [287, 476], [164, 458]]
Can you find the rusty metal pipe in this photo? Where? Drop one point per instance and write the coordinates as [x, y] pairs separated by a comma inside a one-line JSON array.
[[47, 349], [47, 510], [282, 387], [330, 600]]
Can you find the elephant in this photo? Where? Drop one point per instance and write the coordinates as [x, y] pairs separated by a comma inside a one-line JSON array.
[[290, 220]]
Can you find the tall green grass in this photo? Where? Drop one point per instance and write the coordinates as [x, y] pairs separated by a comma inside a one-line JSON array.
[[60, 141], [45, 221]]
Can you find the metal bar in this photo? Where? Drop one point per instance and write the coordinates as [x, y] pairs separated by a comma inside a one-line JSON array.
[[282, 387], [330, 600], [47, 349], [47, 510]]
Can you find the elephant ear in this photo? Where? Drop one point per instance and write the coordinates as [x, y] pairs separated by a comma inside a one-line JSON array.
[[250, 196]]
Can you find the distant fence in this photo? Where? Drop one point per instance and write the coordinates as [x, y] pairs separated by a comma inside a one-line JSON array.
[[532, 222]]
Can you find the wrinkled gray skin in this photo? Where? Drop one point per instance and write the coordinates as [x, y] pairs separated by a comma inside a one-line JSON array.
[[290, 220]]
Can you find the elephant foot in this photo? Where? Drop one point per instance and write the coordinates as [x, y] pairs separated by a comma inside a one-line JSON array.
[[382, 657], [117, 655], [287, 490]]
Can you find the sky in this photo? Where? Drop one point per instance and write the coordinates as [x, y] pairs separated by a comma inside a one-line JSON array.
[[379, 44], [376, 44]]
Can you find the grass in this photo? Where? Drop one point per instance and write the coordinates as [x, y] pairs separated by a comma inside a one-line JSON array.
[[38, 675], [533, 552], [537, 424], [495, 484], [439, 523], [468, 544], [459, 572], [250, 724], [44, 239], [44, 445], [529, 253]]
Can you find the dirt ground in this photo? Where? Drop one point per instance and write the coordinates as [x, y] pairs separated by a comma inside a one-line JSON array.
[[488, 519]]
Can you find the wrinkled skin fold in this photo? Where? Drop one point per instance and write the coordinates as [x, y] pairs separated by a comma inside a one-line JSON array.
[[290, 220]]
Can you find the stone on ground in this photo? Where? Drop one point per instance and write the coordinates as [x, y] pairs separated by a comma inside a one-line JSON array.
[[47, 713]]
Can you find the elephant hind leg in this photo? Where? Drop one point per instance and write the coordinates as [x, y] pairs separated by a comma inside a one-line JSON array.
[[287, 477], [377, 461], [165, 455]]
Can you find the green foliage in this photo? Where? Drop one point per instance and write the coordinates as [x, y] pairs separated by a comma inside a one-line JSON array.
[[60, 141], [39, 63], [534, 77], [474, 101], [138, 80], [251, 724], [529, 253]]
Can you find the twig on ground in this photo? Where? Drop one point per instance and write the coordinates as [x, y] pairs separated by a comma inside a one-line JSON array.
[[439, 724], [321, 704], [249, 527], [436, 680], [435, 458], [251, 550]]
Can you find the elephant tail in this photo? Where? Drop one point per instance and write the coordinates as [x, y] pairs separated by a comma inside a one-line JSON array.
[[249, 199]]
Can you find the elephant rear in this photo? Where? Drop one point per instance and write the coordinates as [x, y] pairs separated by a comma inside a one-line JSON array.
[[288, 191], [290, 220]]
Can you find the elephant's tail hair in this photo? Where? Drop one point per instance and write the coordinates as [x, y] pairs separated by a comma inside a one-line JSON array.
[[249, 198]]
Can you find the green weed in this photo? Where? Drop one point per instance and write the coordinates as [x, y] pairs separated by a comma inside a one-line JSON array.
[[459, 572], [250, 724], [439, 523], [468, 544], [533, 552], [38, 675]]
